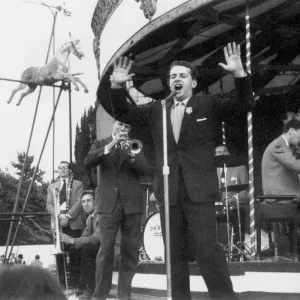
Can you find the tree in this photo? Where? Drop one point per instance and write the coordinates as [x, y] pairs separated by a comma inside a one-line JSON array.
[[29, 169], [85, 135], [31, 230]]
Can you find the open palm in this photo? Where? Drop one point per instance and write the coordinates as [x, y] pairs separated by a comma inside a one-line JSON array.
[[122, 67], [232, 55]]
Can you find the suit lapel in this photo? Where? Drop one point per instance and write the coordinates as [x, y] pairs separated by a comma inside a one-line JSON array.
[[113, 152], [57, 184], [191, 108]]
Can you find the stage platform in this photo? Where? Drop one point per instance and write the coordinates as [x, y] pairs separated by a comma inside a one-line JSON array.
[[251, 280]]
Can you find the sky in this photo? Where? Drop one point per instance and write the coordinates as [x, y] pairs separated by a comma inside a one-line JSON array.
[[25, 33]]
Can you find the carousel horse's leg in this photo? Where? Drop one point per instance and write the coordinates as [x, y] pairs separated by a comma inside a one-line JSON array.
[[20, 87], [29, 91], [86, 90], [69, 77]]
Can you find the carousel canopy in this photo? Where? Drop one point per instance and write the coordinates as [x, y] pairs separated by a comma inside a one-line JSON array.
[[198, 33]]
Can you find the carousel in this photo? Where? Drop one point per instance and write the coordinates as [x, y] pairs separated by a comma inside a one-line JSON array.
[[155, 33]]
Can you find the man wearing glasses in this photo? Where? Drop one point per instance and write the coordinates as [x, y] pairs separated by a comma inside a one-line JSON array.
[[71, 216]]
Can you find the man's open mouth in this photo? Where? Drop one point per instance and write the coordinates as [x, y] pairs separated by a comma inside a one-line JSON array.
[[178, 86]]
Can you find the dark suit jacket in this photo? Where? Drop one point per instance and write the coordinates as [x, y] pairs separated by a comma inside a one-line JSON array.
[[236, 175], [195, 149], [117, 176], [75, 210], [279, 170]]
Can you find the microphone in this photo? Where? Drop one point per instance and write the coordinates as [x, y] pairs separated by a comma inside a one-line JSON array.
[[168, 98]]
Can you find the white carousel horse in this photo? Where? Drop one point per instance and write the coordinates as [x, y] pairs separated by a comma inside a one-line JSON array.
[[56, 70]]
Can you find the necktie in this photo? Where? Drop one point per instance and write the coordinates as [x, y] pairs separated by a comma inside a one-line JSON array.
[[118, 146], [177, 120], [63, 193]]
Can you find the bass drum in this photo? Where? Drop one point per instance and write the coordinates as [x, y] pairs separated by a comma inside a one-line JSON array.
[[152, 238]]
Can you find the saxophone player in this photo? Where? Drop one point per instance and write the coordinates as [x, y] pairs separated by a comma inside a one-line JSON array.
[[71, 219]]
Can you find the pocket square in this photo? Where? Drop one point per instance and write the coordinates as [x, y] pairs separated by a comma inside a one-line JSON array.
[[203, 119]]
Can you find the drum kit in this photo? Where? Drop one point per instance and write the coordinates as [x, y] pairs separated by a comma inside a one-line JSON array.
[[223, 210], [153, 246]]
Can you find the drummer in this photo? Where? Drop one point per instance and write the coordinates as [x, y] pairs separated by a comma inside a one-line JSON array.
[[236, 174]]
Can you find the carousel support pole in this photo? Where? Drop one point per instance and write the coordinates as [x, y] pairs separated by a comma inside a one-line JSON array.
[[36, 169], [53, 97], [223, 133], [250, 140], [223, 123], [70, 120], [21, 177]]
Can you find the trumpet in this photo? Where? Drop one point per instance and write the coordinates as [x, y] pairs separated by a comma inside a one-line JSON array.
[[133, 146], [57, 228]]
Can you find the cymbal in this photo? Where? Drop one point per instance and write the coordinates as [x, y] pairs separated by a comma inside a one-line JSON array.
[[236, 188], [228, 160]]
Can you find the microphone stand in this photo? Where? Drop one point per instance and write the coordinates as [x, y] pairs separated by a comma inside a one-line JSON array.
[[166, 172], [227, 212]]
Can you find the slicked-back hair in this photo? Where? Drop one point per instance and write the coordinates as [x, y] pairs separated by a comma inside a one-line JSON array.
[[65, 162], [295, 124], [88, 192], [183, 63]]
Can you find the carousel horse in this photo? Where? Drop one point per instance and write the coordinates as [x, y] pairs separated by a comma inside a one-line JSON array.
[[58, 69]]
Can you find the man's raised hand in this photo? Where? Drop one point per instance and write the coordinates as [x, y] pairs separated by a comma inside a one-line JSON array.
[[232, 53], [120, 75]]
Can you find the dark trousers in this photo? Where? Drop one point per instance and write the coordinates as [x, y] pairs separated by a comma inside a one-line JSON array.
[[200, 219], [129, 251], [73, 264], [88, 266]]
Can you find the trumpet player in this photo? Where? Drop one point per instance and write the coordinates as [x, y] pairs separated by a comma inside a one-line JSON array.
[[71, 219], [119, 205]]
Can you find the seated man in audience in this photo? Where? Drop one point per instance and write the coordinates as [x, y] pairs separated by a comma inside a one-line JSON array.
[[19, 259], [89, 242], [36, 262], [234, 176]]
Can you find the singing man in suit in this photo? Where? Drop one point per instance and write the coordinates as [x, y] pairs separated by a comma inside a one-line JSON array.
[[89, 242], [71, 218], [279, 166], [119, 205], [234, 176], [193, 182]]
